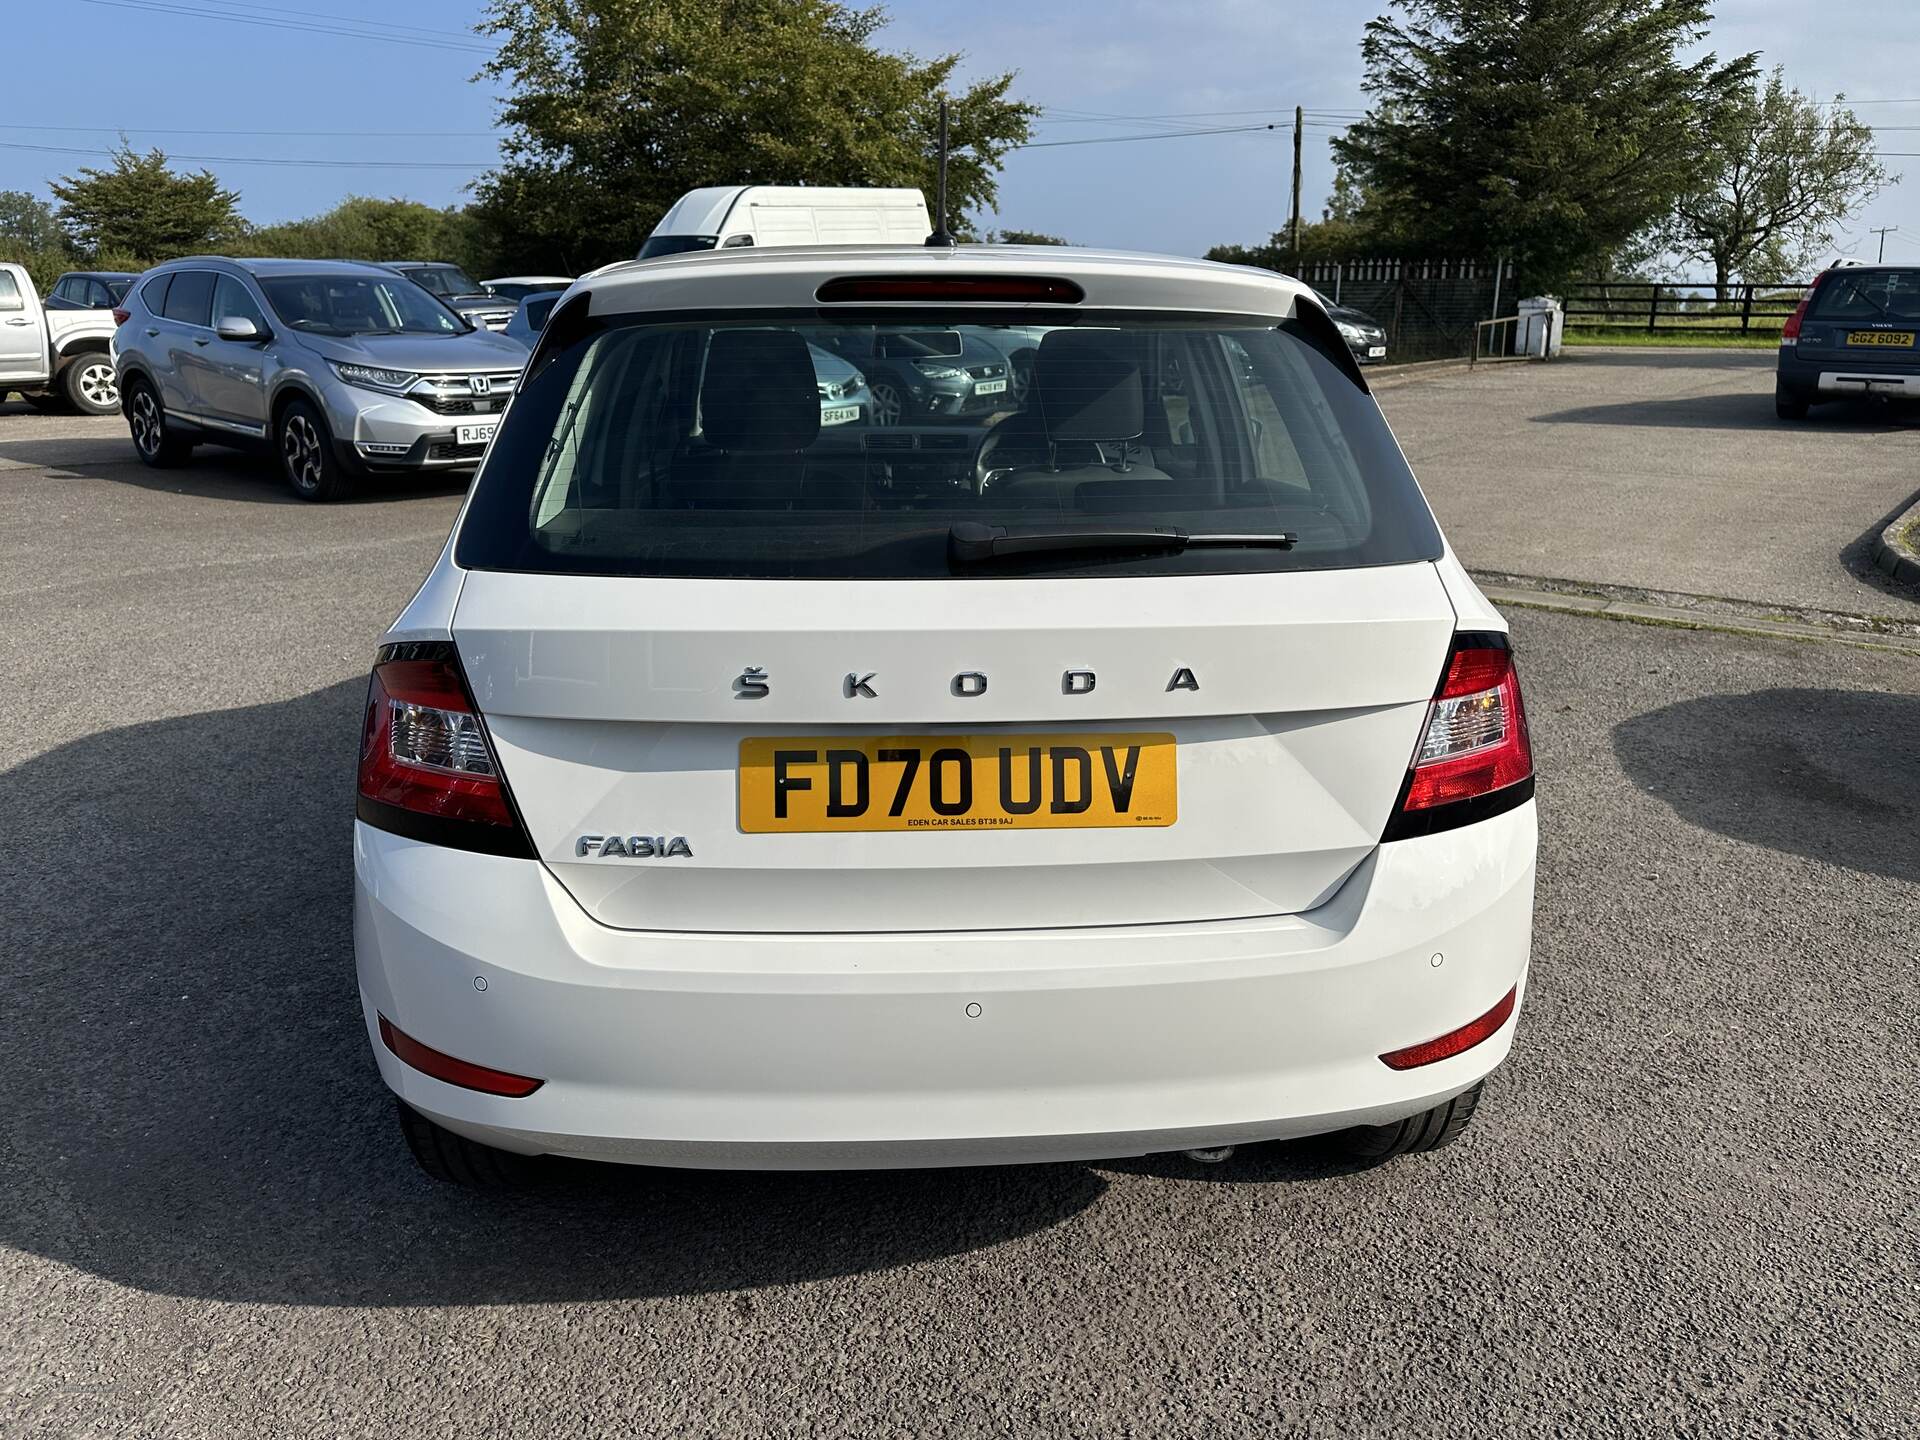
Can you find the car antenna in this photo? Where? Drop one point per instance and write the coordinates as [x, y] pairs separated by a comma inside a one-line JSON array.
[[940, 239]]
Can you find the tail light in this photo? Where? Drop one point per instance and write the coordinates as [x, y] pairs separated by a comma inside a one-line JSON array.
[[427, 768], [1791, 330], [1474, 760], [120, 317]]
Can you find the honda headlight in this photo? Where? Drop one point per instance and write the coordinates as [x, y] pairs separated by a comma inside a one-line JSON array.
[[373, 377]]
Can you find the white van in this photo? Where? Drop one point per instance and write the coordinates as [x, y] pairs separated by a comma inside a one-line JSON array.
[[728, 217]]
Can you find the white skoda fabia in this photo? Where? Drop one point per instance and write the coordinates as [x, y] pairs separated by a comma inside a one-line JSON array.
[[1095, 751]]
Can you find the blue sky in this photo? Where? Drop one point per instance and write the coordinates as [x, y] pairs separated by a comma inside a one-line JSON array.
[[1096, 65]]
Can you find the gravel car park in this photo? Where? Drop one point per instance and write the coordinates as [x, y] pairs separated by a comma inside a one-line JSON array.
[[1677, 1180]]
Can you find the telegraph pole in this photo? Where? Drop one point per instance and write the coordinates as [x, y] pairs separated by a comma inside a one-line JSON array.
[[1295, 239], [1883, 231]]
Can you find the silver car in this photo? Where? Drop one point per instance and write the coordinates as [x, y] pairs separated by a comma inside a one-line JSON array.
[[458, 290], [346, 371]]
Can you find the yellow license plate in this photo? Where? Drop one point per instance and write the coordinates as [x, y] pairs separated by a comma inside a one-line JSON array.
[[1902, 338], [811, 783]]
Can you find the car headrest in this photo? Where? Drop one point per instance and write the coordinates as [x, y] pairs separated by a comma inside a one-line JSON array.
[[760, 393], [1089, 386]]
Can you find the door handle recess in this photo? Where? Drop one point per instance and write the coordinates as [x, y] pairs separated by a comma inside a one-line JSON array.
[[18, 320]]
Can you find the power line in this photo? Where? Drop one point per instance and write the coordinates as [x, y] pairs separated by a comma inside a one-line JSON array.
[[323, 134], [253, 5], [1159, 135], [159, 7], [468, 165]]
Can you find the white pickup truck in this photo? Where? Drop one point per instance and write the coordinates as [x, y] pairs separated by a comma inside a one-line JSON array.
[[54, 357]]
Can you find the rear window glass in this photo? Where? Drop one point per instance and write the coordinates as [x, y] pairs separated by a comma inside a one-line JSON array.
[[825, 447], [10, 293], [190, 297], [1860, 294]]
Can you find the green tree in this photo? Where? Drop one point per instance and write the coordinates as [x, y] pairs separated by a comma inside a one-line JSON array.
[[617, 107], [363, 227], [30, 236], [1783, 173], [141, 207], [1343, 232], [1552, 131], [1023, 237], [27, 223]]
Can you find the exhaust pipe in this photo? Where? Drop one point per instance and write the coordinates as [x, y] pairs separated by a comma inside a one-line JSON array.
[[1217, 1155]]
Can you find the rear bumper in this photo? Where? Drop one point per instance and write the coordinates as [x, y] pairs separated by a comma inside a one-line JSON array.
[[1833, 376], [855, 1051], [1868, 382]]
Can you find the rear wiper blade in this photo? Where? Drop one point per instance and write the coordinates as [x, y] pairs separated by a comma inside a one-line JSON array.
[[969, 542]]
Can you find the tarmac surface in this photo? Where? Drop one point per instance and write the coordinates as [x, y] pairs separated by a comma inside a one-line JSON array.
[[1688, 1204], [1664, 471]]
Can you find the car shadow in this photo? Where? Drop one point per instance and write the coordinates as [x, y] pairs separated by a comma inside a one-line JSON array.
[[192, 1109], [1739, 410], [1694, 358], [1824, 774], [214, 472]]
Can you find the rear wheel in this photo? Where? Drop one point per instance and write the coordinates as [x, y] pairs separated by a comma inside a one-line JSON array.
[[455, 1160], [155, 439], [1789, 404], [1429, 1130], [307, 457], [91, 386]]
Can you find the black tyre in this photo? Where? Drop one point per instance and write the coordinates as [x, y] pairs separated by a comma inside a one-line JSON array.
[[90, 385], [1789, 404], [156, 439], [307, 460], [1429, 1130], [455, 1160], [48, 402]]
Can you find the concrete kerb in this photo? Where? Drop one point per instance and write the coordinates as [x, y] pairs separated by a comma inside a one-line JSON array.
[[1895, 551], [1728, 621]]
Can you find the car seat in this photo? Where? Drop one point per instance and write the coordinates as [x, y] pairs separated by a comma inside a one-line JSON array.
[[760, 408]]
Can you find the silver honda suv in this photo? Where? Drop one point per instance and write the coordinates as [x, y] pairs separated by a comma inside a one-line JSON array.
[[346, 371]]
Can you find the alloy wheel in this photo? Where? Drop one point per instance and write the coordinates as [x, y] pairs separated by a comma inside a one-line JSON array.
[[886, 403], [300, 448], [148, 428]]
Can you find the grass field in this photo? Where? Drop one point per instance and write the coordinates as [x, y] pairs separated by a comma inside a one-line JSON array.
[[1707, 336]]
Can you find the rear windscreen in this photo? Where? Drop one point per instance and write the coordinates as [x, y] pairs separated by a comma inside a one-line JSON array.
[[830, 447], [1862, 294]]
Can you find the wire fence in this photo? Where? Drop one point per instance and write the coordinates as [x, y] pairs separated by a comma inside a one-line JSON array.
[[1427, 307]]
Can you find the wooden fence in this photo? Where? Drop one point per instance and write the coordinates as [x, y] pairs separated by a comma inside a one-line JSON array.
[[1679, 306]]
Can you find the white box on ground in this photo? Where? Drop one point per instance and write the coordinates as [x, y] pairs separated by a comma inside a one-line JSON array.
[[1540, 328]]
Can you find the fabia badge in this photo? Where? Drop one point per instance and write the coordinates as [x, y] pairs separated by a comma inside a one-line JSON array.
[[632, 847]]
